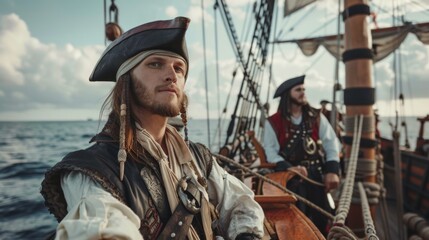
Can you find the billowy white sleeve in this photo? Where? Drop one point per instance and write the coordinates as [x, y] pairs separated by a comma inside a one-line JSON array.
[[271, 144], [93, 213], [238, 211], [330, 143]]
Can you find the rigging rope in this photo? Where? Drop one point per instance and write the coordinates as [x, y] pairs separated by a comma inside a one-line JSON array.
[[304, 15], [245, 20], [339, 230], [380, 179], [105, 21], [270, 78], [219, 126], [369, 192], [276, 184], [401, 97], [364, 167], [205, 73], [368, 124], [252, 66], [382, 9], [417, 3], [346, 195], [398, 181], [324, 25], [369, 224], [333, 119], [245, 33], [410, 93]]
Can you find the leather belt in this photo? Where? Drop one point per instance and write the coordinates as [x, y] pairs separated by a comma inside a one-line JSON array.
[[178, 225], [310, 163]]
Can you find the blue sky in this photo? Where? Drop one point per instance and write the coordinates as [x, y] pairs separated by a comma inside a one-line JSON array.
[[49, 47]]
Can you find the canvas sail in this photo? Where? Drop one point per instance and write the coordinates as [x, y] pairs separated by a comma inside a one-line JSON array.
[[291, 6], [384, 40]]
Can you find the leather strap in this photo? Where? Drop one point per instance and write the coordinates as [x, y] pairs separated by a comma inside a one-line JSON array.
[[178, 225]]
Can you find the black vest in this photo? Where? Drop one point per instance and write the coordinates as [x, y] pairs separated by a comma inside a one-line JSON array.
[[100, 163]]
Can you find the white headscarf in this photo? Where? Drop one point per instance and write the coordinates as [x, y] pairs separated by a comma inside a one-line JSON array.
[[130, 63]]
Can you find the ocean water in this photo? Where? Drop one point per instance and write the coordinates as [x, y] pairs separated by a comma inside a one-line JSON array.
[[28, 149]]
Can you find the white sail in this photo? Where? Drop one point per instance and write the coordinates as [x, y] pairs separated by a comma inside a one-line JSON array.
[[384, 40], [291, 6]]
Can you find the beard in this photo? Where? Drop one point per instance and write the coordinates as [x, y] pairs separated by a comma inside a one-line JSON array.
[[145, 99], [298, 102]]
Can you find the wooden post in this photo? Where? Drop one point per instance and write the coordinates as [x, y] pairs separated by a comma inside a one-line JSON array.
[[358, 75]]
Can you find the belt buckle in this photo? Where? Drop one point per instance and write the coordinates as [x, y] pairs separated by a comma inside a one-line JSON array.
[[189, 201]]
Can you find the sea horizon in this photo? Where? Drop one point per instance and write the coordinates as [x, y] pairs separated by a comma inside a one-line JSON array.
[[192, 118]]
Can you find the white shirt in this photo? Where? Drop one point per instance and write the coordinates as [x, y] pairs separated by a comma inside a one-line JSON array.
[[94, 213], [330, 142]]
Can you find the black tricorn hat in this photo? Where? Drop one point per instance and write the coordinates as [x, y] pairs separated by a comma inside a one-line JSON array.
[[288, 84], [166, 35]]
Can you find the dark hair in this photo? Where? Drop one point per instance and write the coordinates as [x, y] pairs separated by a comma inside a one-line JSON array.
[[286, 104]]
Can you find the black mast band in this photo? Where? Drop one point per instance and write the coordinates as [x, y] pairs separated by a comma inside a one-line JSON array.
[[358, 53], [359, 9], [364, 142], [359, 96]]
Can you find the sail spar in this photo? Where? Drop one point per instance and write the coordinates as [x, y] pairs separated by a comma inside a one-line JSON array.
[[384, 40]]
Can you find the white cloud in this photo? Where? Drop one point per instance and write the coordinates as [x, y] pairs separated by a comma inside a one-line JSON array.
[[195, 14], [171, 11], [14, 36], [36, 75]]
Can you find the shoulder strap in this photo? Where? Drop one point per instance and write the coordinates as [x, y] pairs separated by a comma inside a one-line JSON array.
[[203, 156], [315, 128]]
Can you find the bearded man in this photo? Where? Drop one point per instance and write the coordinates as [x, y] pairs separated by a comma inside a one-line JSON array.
[[298, 137], [140, 179]]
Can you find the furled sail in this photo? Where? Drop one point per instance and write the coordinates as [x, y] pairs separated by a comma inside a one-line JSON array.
[[291, 6], [384, 40]]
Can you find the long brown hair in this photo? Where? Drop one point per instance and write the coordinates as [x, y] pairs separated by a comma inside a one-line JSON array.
[[121, 94]]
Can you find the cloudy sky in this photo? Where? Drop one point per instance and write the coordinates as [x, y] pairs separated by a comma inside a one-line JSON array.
[[49, 47]]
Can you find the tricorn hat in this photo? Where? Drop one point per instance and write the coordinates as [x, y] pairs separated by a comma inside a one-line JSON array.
[[288, 84], [166, 35]]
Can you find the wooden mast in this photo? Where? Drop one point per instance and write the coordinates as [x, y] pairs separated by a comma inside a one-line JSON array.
[[359, 94]]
